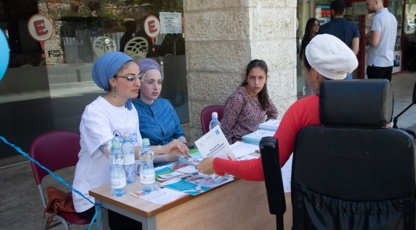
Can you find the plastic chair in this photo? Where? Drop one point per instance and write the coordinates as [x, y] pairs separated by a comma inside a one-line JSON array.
[[56, 150], [352, 172], [136, 48], [206, 114], [102, 45]]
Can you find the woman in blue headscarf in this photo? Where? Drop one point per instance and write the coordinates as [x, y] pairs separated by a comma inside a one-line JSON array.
[[108, 116]]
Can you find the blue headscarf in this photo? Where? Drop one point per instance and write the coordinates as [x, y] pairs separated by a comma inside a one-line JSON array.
[[146, 64], [106, 67]]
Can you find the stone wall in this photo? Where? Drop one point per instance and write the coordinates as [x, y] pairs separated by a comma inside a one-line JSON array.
[[223, 36]]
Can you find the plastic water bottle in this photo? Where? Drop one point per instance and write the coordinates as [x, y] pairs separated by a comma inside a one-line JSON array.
[[147, 170], [117, 174], [214, 121], [129, 161]]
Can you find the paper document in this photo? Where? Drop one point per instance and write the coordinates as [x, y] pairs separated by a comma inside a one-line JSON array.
[[241, 149], [161, 196], [255, 137], [271, 124], [287, 174], [214, 144]]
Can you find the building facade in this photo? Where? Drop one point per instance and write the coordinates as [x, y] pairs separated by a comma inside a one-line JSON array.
[[203, 47]]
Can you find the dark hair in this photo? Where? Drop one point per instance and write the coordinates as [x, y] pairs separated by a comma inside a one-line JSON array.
[[338, 6], [263, 95], [306, 63], [307, 37], [130, 26]]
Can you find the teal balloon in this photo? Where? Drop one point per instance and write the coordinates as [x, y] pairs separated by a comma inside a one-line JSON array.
[[4, 54]]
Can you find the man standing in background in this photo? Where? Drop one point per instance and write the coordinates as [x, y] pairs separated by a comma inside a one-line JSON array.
[[345, 30], [381, 38]]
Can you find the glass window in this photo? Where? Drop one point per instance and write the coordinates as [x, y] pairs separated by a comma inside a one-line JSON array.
[[47, 86]]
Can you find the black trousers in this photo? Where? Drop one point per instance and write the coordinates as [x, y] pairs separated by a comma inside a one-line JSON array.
[[116, 220], [374, 72]]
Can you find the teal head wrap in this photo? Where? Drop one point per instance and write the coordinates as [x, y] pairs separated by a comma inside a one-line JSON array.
[[106, 67]]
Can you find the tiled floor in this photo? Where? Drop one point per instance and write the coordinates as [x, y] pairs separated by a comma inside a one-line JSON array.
[[20, 205]]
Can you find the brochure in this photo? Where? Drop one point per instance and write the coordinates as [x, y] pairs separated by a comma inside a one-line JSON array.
[[214, 144], [185, 186], [194, 158], [160, 196], [167, 172], [255, 137], [271, 124]]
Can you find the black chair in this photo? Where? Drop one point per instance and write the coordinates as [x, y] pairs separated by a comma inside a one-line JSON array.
[[273, 179], [352, 172]]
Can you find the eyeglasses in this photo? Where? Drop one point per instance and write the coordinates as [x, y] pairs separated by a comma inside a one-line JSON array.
[[132, 77]]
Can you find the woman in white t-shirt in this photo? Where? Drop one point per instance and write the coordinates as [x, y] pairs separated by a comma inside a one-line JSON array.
[[107, 116]]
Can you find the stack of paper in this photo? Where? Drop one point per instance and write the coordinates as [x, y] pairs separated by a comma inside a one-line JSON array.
[[255, 137], [270, 125], [243, 150]]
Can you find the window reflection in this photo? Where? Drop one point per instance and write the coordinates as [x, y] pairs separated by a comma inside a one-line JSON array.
[[39, 94]]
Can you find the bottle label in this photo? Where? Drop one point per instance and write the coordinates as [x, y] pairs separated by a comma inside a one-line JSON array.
[[129, 160], [118, 182], [147, 177]]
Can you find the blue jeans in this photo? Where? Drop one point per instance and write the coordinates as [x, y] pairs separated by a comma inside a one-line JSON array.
[[349, 76]]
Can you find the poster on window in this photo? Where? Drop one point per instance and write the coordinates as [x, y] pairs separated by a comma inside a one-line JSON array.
[[171, 23], [397, 61]]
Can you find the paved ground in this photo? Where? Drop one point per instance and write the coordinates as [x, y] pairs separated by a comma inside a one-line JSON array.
[[20, 205]]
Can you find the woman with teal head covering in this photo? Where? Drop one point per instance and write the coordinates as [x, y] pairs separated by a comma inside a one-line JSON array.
[[110, 115]]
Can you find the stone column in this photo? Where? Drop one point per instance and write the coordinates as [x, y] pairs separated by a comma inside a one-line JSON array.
[[221, 39]]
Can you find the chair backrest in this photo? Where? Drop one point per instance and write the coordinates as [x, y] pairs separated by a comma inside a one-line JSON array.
[[102, 45], [273, 178], [206, 115], [136, 48], [55, 150], [352, 172]]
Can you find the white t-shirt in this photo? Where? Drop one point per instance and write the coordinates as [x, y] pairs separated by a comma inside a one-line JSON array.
[[382, 55], [100, 122]]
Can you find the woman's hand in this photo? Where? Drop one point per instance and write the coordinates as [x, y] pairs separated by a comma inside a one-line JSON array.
[[206, 166], [177, 147]]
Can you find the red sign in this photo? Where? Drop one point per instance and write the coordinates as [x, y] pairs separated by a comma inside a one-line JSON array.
[[152, 26], [40, 27]]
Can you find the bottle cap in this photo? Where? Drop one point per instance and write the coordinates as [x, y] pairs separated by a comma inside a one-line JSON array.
[[126, 135], [214, 115], [145, 141]]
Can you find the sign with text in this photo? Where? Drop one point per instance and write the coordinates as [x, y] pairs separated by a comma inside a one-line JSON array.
[[171, 23]]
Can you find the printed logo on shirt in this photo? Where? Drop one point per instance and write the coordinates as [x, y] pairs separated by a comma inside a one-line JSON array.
[[117, 134], [133, 139]]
